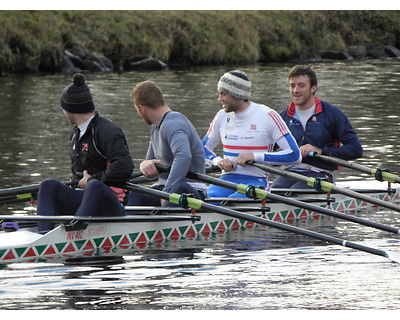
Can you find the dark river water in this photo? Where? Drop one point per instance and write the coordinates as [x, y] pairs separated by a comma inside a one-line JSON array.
[[259, 269]]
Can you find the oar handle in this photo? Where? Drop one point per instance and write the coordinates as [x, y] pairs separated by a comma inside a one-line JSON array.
[[164, 168]]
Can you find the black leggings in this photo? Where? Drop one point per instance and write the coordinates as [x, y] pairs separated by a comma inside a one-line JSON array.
[[56, 198]]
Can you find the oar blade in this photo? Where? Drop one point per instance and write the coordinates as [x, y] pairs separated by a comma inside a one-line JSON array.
[[394, 256]]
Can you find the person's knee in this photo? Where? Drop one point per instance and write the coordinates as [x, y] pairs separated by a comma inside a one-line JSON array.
[[218, 192], [96, 188], [213, 193], [94, 183], [181, 187], [282, 183], [49, 183], [133, 199]]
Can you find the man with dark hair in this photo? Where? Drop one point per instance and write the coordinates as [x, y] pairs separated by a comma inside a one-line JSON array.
[[174, 143], [317, 127], [248, 131], [100, 161]]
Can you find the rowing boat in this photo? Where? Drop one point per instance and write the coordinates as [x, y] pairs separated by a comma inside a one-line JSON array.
[[144, 227]]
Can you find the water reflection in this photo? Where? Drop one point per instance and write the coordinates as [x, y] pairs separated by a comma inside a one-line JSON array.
[[312, 277], [253, 269], [34, 133]]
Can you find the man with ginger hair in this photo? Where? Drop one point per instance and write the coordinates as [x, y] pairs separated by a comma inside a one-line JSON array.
[[174, 142]]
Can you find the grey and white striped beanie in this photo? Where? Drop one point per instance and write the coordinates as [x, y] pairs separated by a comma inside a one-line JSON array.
[[236, 84]]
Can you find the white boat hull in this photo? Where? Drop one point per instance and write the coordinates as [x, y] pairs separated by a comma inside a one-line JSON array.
[[106, 239]]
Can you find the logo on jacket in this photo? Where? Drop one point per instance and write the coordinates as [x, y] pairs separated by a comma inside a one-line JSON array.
[[85, 147], [231, 137]]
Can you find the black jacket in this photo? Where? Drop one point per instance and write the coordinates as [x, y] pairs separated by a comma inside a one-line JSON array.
[[102, 151]]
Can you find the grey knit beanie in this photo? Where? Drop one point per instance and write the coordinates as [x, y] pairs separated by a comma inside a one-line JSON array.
[[236, 84]]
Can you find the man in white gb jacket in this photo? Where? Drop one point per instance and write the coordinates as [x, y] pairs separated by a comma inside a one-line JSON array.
[[248, 131]]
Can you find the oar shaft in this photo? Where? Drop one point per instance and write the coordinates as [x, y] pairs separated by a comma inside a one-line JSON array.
[[327, 186], [16, 198], [285, 227], [263, 194], [72, 219], [387, 176], [198, 204], [333, 213], [341, 162], [27, 189], [19, 190], [366, 198]]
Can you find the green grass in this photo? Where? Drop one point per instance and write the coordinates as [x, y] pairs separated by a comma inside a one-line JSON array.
[[35, 40]]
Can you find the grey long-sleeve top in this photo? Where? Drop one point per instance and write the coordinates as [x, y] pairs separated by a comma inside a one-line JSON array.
[[176, 143]]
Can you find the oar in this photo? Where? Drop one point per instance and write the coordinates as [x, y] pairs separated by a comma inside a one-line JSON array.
[[16, 198], [378, 174], [26, 191], [74, 219], [325, 186], [197, 204], [253, 192]]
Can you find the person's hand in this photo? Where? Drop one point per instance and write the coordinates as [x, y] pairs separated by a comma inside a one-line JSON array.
[[148, 167], [307, 148], [226, 165], [83, 182], [243, 158]]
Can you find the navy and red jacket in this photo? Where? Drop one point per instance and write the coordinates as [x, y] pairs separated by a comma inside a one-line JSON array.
[[328, 129]]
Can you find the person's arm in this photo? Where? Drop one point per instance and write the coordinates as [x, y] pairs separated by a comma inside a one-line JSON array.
[[288, 153], [210, 141], [180, 148], [348, 146], [113, 146]]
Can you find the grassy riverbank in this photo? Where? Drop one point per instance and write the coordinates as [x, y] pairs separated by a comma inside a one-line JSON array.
[[35, 40]]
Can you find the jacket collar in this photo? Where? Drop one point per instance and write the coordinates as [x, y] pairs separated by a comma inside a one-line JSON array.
[[88, 124], [292, 107]]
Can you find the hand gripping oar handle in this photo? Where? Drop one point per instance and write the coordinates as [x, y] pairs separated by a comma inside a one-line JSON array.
[[378, 174], [254, 192], [322, 185], [199, 204]]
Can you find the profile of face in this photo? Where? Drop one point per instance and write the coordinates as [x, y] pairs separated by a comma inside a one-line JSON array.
[[229, 103], [142, 112]]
